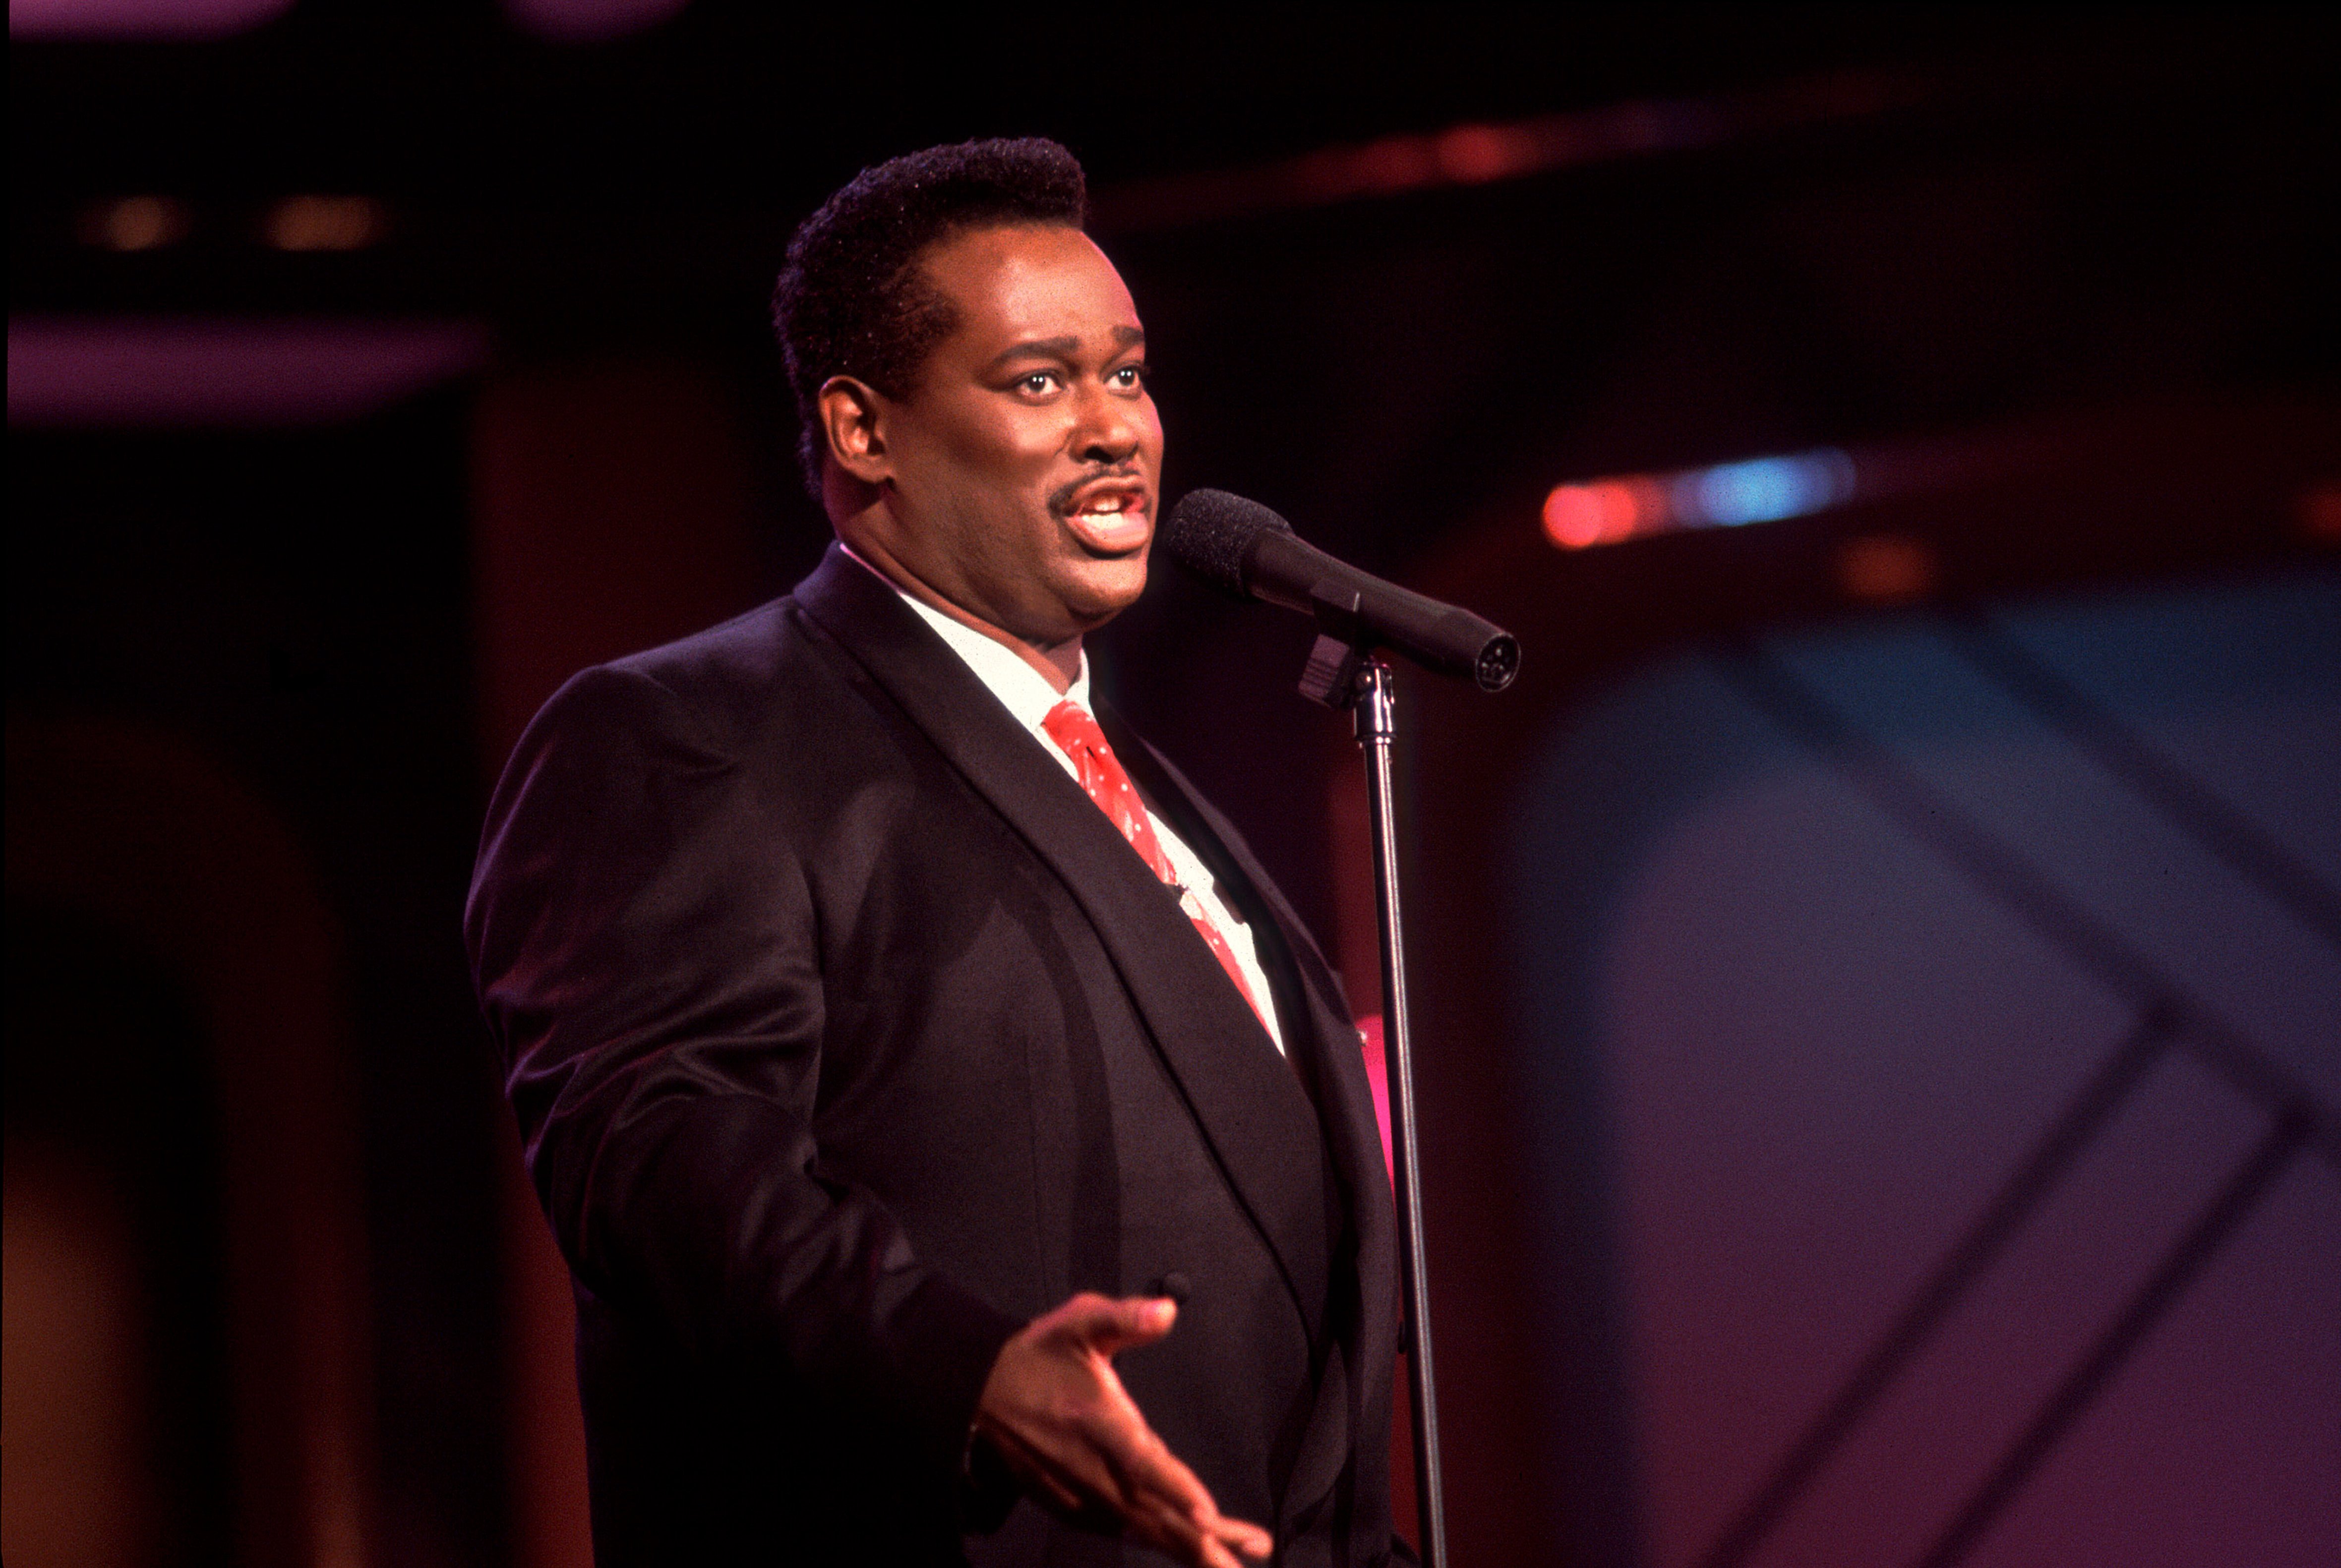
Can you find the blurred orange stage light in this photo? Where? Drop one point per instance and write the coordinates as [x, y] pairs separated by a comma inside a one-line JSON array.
[[134, 224], [325, 222]]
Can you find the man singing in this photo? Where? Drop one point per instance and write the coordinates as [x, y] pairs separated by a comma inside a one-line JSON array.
[[961, 1150]]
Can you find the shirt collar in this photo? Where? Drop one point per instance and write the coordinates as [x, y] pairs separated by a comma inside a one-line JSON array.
[[1024, 690]]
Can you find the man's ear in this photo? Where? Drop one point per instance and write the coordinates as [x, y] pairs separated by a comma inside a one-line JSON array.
[[853, 423]]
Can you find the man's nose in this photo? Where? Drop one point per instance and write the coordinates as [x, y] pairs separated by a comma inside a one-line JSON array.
[[1108, 429]]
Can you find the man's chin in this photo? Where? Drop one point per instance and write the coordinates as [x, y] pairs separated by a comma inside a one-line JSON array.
[[1096, 591]]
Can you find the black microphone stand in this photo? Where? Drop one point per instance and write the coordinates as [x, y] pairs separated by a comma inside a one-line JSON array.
[[1345, 675]]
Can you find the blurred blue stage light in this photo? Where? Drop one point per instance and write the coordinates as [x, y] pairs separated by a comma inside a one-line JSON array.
[[1760, 490]]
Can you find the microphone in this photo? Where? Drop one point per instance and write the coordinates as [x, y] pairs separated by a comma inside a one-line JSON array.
[[1243, 549]]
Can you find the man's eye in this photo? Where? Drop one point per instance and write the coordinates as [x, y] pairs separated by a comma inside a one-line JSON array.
[[1129, 376], [1038, 382]]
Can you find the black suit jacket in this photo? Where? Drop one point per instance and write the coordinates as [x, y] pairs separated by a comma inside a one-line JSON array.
[[846, 1035]]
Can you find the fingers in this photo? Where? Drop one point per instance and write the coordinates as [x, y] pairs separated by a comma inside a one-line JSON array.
[[1217, 1541], [1167, 1504], [1144, 1492], [1246, 1537]]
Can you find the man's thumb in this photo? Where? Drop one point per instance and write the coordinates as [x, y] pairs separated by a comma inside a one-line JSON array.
[[1135, 1320]]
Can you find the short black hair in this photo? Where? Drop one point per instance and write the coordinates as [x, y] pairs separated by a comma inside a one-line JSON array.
[[852, 300]]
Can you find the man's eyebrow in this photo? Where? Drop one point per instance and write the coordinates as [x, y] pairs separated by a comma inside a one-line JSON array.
[[1064, 348], [1039, 348]]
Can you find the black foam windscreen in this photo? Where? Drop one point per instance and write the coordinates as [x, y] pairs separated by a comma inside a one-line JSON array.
[[1209, 531]]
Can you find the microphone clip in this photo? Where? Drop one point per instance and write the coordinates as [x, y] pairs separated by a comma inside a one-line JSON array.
[[1344, 643], [1331, 676]]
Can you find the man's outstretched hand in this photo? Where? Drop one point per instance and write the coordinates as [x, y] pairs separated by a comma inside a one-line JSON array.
[[1059, 1419]]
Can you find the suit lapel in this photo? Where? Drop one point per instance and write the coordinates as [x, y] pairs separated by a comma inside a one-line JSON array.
[[1324, 1045], [1252, 1111]]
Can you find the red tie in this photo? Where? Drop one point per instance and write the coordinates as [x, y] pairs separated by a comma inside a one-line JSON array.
[[1071, 728]]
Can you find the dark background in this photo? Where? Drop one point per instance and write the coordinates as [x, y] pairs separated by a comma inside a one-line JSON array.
[[1897, 224]]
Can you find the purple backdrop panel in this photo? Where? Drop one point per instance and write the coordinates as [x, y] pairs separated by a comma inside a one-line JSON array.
[[1833, 984]]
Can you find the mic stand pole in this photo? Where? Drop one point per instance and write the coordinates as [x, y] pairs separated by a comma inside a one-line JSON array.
[[1343, 675]]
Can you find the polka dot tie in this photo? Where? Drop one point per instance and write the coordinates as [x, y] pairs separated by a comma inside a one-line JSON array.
[[1071, 728]]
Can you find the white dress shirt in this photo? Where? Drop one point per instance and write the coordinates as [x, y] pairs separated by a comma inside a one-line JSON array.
[[1027, 695]]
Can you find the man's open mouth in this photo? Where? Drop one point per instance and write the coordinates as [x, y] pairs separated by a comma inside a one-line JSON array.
[[1110, 516]]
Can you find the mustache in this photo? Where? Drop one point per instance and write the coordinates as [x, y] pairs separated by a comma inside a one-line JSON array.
[[1060, 500]]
